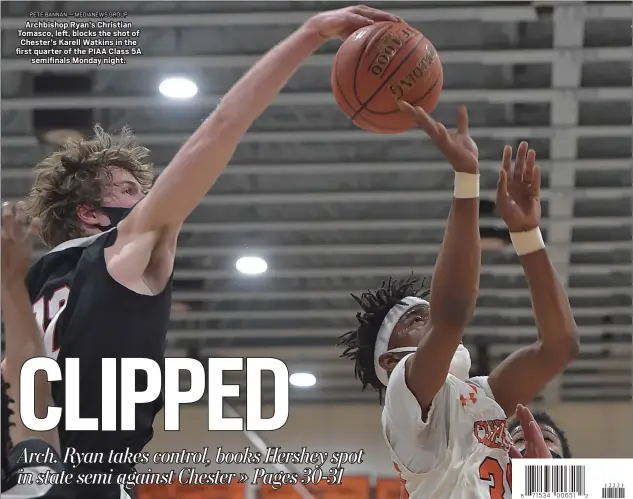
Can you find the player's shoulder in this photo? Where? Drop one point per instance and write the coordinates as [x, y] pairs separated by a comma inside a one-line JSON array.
[[481, 386], [60, 262], [397, 382], [78, 243], [470, 392], [68, 251]]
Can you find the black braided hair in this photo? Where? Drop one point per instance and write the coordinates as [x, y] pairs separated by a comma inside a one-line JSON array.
[[542, 418], [6, 413], [359, 344]]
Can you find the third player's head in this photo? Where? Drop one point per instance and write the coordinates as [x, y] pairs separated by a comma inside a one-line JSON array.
[[392, 323], [88, 185], [554, 437]]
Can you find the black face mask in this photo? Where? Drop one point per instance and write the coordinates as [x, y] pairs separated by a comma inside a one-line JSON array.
[[116, 214]]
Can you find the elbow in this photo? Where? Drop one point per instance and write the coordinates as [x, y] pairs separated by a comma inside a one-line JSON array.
[[573, 344], [571, 341], [565, 349]]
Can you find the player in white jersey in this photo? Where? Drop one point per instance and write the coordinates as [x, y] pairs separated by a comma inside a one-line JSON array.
[[446, 431]]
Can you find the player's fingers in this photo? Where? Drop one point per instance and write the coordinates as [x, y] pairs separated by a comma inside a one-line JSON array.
[[374, 14], [34, 229], [462, 120], [526, 419], [506, 162], [535, 186], [7, 220], [502, 185], [530, 452], [519, 162], [532, 438], [355, 22], [422, 119], [443, 135], [20, 217], [525, 416], [538, 445], [530, 163], [514, 453]]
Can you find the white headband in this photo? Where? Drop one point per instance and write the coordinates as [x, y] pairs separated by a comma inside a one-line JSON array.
[[386, 328]]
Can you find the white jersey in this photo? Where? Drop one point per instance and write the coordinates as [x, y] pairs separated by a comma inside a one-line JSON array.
[[459, 452]]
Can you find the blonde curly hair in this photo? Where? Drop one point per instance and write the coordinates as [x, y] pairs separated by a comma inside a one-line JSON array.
[[76, 175]]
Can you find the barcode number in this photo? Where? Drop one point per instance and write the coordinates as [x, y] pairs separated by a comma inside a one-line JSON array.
[[555, 479], [613, 492]]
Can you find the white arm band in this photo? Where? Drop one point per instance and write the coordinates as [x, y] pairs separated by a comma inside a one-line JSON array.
[[527, 242], [466, 185]]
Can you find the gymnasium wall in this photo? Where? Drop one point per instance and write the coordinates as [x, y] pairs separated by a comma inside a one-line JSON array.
[[594, 430]]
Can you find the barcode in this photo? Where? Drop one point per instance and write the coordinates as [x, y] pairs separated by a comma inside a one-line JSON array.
[[613, 493], [555, 479]]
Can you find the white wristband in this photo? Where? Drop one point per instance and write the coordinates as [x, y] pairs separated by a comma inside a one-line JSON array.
[[466, 185], [527, 242]]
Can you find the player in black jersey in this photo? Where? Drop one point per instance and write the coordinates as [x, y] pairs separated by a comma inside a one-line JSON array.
[[104, 290], [554, 436], [22, 342]]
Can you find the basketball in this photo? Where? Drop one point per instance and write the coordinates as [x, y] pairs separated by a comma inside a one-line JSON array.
[[377, 66]]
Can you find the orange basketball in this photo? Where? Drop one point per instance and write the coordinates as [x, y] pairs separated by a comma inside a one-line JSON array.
[[379, 64]]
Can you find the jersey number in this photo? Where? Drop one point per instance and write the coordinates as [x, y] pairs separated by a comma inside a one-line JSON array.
[[47, 313], [491, 471]]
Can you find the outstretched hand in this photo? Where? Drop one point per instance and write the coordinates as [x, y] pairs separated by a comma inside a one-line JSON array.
[[535, 445], [17, 243], [342, 23], [519, 189], [457, 147]]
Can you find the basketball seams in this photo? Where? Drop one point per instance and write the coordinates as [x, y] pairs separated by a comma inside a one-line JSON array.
[[384, 83], [340, 92], [413, 103], [335, 73], [361, 56], [402, 48], [355, 60], [383, 128]]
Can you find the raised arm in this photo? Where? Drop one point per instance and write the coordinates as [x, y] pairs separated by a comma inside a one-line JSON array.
[[23, 336], [455, 281], [201, 160], [522, 375]]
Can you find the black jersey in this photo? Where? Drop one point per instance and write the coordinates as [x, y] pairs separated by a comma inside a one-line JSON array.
[[86, 314], [26, 479]]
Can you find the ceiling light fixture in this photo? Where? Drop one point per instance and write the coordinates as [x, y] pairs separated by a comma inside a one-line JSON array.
[[251, 265], [302, 380], [178, 88]]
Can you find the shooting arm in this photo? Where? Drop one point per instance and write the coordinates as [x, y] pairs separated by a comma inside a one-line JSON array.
[[23, 342], [521, 376], [201, 160], [454, 291]]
